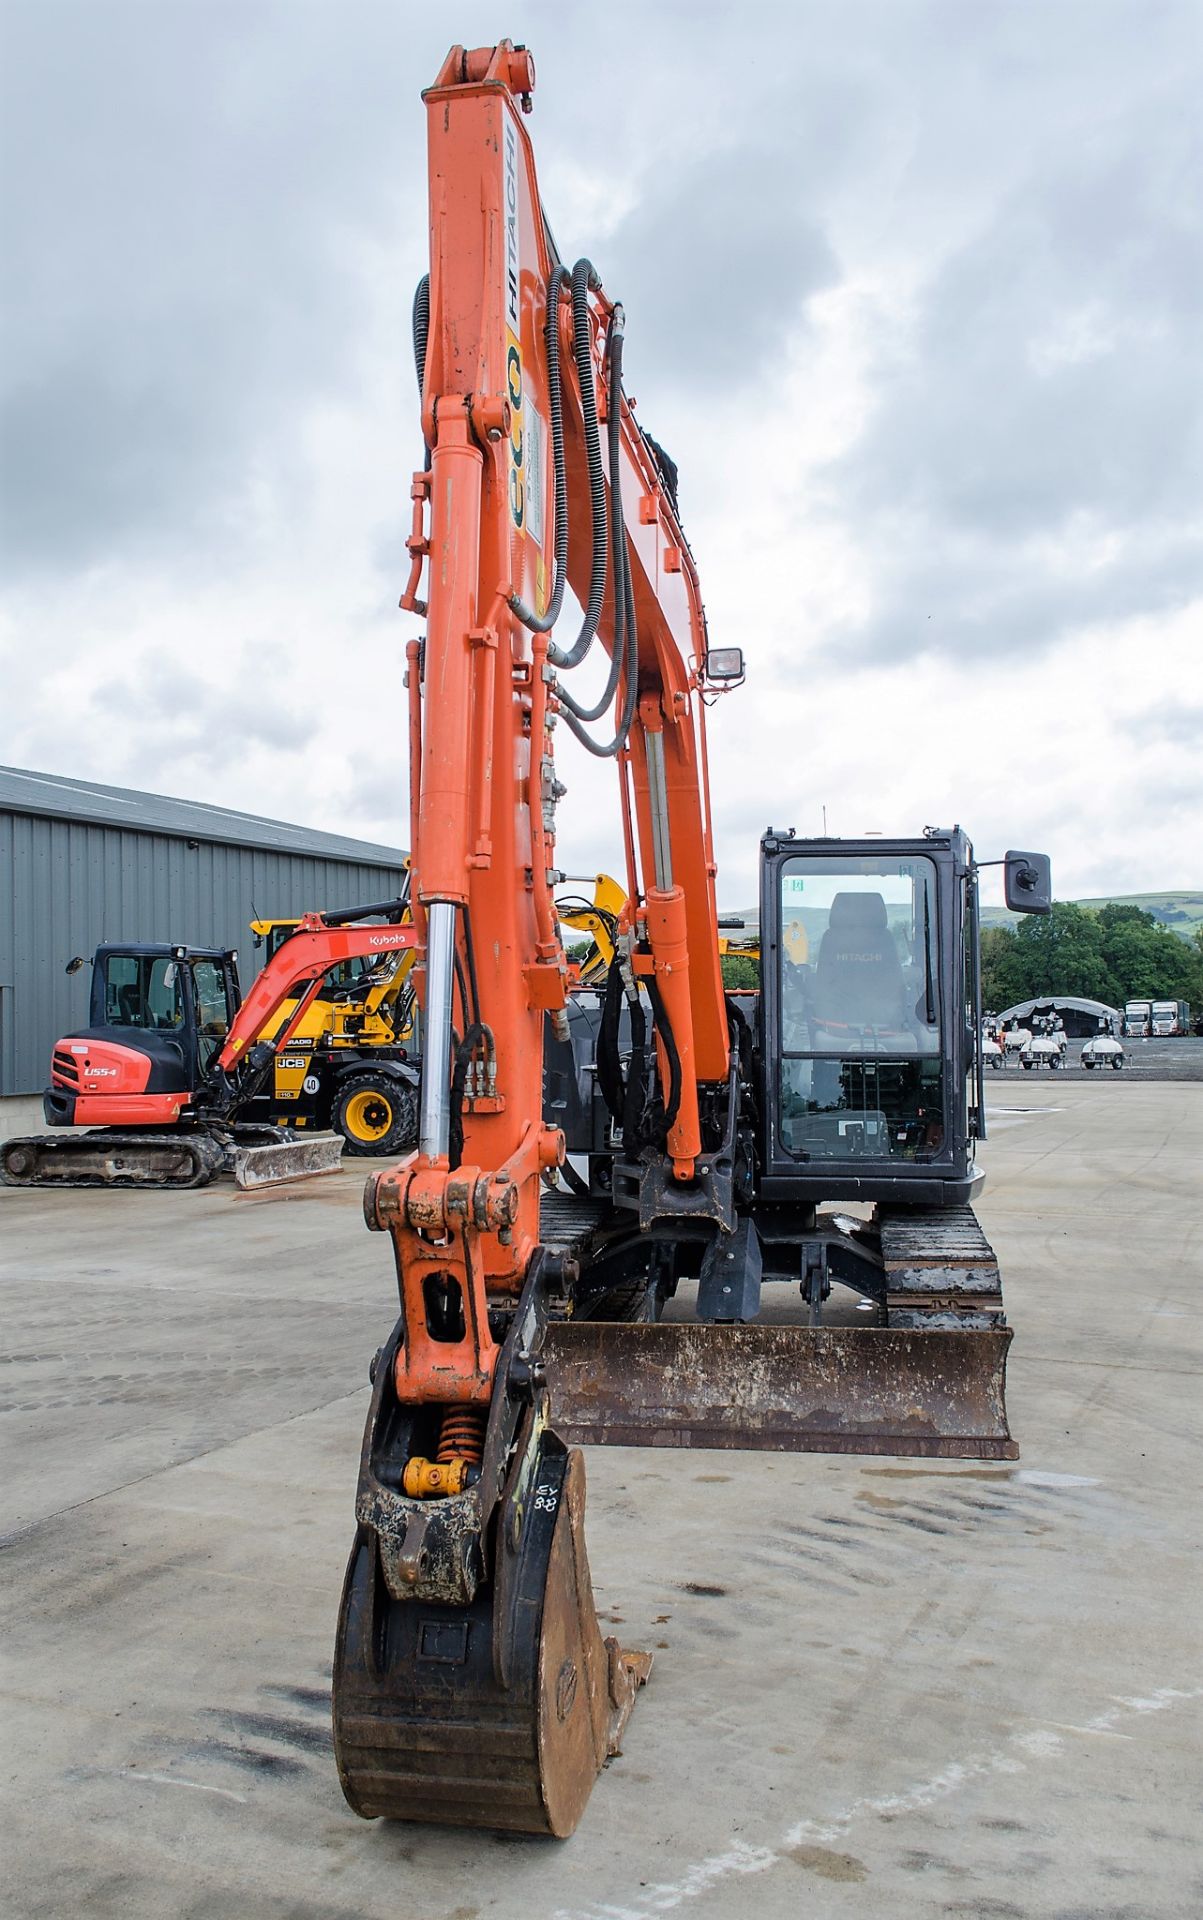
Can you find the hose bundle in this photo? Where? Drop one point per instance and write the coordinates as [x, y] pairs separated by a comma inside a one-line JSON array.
[[608, 527]]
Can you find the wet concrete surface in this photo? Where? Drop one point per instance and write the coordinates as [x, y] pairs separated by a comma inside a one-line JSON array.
[[882, 1687]]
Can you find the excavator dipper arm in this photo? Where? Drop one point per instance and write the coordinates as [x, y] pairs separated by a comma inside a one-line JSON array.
[[296, 971]]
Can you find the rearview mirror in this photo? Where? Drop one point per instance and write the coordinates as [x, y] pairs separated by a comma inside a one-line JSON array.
[[73, 966], [1028, 882]]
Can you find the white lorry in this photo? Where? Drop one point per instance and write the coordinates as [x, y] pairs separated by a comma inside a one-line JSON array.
[[1169, 1016]]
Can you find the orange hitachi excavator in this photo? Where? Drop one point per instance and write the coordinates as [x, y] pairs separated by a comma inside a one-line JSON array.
[[472, 1684]]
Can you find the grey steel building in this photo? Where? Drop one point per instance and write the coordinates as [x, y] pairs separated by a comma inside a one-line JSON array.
[[81, 864]]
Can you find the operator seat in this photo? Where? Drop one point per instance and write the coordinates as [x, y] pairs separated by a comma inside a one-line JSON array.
[[858, 979]]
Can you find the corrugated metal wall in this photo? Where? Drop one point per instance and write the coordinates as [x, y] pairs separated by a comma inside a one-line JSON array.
[[66, 887]]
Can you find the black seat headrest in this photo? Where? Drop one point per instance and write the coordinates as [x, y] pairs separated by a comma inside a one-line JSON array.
[[862, 912]]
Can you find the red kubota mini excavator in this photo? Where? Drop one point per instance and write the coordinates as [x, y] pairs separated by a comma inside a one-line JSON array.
[[472, 1684], [161, 1080]]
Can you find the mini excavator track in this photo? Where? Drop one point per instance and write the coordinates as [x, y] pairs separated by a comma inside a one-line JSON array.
[[257, 1156]]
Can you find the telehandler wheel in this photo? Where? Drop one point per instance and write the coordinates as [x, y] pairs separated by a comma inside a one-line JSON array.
[[375, 1113]]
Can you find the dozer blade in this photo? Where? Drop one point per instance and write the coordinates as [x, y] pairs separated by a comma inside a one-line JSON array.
[[936, 1395], [273, 1162], [425, 1726], [100, 1157]]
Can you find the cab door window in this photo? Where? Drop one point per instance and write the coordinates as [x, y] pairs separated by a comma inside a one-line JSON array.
[[212, 1012]]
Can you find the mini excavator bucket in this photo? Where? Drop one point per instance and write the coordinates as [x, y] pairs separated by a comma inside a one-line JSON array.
[[472, 1684], [496, 1714]]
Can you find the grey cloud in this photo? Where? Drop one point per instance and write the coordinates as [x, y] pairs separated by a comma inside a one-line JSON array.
[[1052, 395], [1055, 369], [715, 270], [943, 589], [186, 185], [216, 209], [1176, 726], [174, 712]]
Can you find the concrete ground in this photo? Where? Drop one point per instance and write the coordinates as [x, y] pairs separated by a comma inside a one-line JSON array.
[[1179, 1058], [882, 1688]]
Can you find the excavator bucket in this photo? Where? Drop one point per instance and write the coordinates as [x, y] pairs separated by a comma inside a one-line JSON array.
[[497, 1714], [936, 1394], [272, 1163]]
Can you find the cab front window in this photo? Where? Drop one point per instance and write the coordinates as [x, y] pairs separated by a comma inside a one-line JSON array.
[[861, 1072], [141, 990]]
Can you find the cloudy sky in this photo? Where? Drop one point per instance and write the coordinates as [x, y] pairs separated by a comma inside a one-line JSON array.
[[914, 298]]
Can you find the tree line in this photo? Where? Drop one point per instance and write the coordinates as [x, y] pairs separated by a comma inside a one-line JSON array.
[[1113, 953]]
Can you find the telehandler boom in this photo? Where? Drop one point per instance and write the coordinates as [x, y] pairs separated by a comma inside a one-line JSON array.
[[472, 1684]]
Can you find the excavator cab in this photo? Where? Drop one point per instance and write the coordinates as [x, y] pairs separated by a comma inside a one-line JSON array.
[[868, 1020], [862, 1084]]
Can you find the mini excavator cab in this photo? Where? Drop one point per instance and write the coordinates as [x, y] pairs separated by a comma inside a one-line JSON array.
[[158, 1014], [868, 1018]]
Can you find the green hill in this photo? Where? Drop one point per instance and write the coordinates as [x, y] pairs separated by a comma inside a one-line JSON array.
[[1182, 913]]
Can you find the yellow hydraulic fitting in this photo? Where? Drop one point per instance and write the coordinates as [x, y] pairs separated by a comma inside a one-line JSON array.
[[425, 1478]]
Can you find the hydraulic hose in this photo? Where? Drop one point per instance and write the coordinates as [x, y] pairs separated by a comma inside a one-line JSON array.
[[664, 1029], [609, 1060], [421, 326], [608, 525], [584, 278], [626, 639], [617, 537], [421, 333]]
